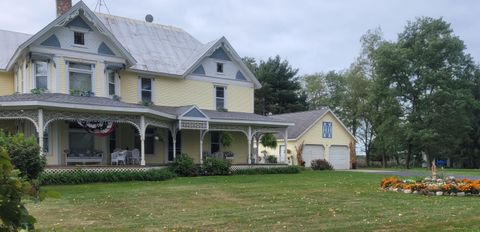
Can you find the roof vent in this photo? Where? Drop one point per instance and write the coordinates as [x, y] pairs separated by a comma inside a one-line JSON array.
[[149, 18]]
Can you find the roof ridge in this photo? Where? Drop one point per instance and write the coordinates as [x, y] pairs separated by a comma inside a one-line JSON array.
[[140, 21]]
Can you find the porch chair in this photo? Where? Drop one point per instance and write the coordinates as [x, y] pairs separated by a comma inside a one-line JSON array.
[[117, 157], [135, 158]]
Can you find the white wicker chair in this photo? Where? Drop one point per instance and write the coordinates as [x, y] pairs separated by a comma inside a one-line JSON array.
[[135, 158], [118, 156]]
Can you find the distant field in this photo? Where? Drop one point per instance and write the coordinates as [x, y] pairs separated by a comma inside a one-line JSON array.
[[310, 201]]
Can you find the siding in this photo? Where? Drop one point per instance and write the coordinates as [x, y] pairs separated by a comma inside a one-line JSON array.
[[129, 87], [6, 83]]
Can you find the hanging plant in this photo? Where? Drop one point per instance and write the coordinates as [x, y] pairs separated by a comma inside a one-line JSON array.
[[269, 140], [226, 139]]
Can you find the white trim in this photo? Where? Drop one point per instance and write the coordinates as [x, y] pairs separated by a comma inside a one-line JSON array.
[[56, 62], [93, 68], [79, 56], [182, 116]]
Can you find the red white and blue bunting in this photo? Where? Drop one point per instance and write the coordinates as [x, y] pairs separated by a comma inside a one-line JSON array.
[[98, 128]]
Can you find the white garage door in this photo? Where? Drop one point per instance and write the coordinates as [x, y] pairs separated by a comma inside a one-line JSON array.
[[339, 157], [312, 152]]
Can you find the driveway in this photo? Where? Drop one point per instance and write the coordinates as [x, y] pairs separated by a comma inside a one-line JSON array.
[[410, 173]]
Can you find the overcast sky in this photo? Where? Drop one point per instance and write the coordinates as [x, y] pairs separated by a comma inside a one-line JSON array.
[[314, 35]]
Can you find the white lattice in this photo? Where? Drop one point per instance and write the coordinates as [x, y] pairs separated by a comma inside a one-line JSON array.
[[100, 169], [195, 125], [30, 115], [50, 116]]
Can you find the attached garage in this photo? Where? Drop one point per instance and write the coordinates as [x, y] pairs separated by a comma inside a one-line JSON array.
[[323, 136], [339, 157], [312, 152]]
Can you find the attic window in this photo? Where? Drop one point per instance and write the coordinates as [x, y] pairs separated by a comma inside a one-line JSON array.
[[219, 67], [79, 38]]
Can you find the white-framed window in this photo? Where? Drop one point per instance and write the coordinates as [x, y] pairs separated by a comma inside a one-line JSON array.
[[80, 76], [41, 74], [327, 130], [220, 97], [78, 38], [219, 67], [112, 83], [146, 89]]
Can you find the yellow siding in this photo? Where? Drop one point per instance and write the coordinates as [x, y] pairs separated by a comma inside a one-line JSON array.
[[6, 83], [180, 92], [240, 99], [62, 76], [160, 155], [340, 136], [99, 78], [129, 87], [191, 144], [239, 147]]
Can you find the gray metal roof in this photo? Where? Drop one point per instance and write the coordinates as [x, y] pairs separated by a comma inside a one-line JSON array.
[[9, 42], [155, 47], [67, 99], [174, 111], [302, 120]]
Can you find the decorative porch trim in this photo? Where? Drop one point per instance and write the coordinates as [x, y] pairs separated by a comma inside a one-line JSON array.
[[157, 123], [51, 116], [193, 125], [30, 115]]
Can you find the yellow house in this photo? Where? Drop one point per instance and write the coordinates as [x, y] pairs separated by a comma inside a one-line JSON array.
[[322, 134], [103, 89]]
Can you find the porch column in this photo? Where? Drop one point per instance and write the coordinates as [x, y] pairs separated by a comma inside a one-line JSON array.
[[258, 146], [40, 130], [249, 138], [201, 147], [285, 137], [142, 140]]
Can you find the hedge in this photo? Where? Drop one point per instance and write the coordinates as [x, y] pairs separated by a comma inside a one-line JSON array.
[[83, 177], [262, 171]]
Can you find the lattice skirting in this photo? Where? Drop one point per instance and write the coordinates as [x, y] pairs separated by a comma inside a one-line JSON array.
[[99, 169], [73, 169]]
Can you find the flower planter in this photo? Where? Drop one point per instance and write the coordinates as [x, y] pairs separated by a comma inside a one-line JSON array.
[[433, 187]]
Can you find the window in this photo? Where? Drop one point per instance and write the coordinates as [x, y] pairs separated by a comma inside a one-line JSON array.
[[214, 141], [80, 141], [146, 89], [149, 141], [327, 129], [41, 74], [80, 78], [111, 83], [178, 145], [220, 97], [219, 67], [79, 38]]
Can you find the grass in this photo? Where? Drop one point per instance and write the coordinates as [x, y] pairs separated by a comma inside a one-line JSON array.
[[425, 171], [309, 201]]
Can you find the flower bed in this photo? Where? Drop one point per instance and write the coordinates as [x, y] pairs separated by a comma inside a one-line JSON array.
[[433, 187]]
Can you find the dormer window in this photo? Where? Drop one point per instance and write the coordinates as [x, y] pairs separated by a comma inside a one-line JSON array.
[[78, 38], [219, 67]]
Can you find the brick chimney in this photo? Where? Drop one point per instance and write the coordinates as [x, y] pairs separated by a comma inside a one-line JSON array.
[[63, 6]]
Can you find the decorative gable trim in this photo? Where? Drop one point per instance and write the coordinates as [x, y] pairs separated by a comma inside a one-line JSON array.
[[199, 71], [193, 113], [240, 76], [220, 54], [52, 41], [105, 50], [79, 9], [79, 22]]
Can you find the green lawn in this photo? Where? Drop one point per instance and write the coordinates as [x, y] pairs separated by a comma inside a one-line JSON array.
[[425, 171], [310, 201]]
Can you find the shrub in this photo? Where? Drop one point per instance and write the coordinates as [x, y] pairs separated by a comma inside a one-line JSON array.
[[24, 153], [215, 166], [271, 159], [321, 164], [13, 214], [183, 165], [82, 177], [262, 171], [268, 140]]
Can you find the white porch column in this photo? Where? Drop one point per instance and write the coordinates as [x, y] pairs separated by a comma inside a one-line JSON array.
[[174, 141], [286, 144], [249, 138], [201, 147], [142, 140], [40, 130]]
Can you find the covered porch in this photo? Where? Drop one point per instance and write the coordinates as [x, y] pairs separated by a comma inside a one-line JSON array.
[[138, 135]]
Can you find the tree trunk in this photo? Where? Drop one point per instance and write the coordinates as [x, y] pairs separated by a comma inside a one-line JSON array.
[[409, 155]]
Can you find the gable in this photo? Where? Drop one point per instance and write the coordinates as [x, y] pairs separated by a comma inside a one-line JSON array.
[[52, 41], [220, 54], [78, 22], [336, 130], [200, 70], [104, 49], [194, 113]]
